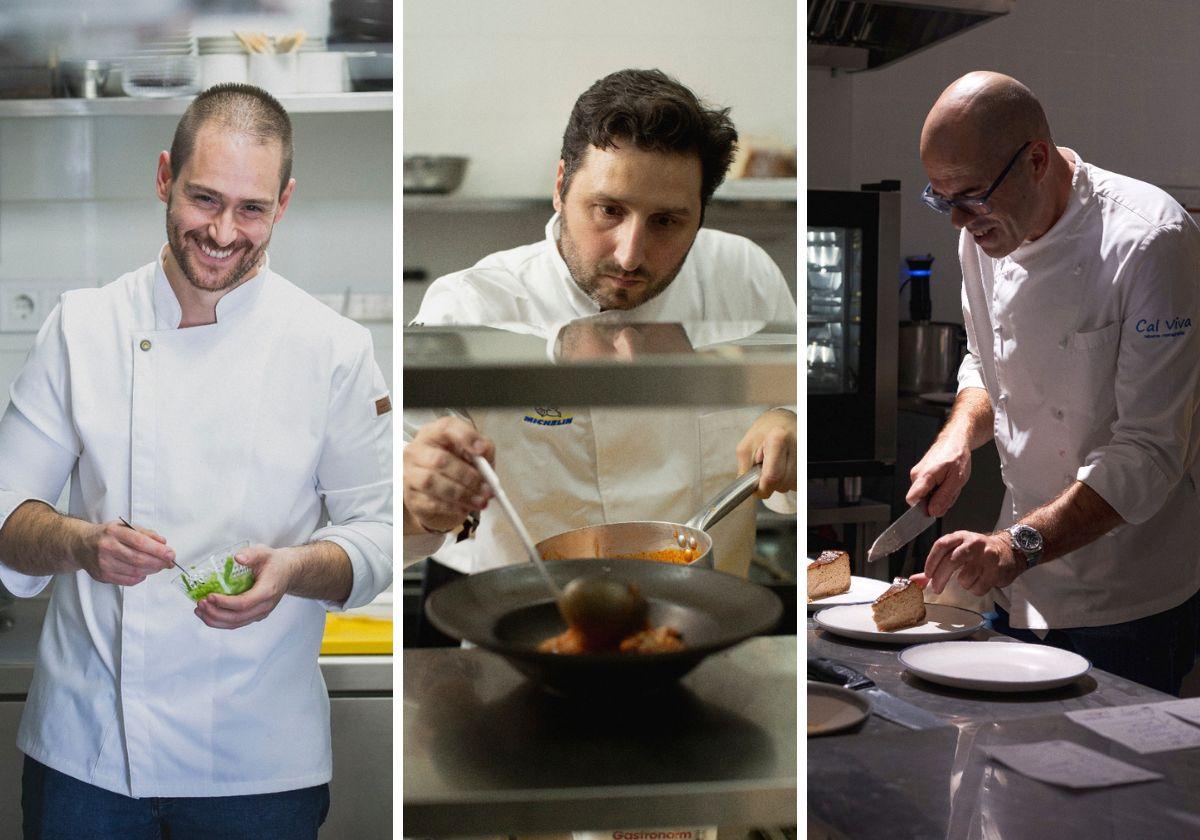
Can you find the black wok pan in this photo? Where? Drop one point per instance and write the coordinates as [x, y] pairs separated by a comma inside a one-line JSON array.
[[509, 611]]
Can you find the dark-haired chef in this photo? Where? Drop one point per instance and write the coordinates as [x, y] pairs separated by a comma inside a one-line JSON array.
[[641, 158], [1081, 297]]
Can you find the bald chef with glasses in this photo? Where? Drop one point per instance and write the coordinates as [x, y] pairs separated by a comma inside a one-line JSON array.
[[1081, 306]]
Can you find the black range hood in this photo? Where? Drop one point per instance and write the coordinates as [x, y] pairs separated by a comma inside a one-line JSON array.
[[861, 35]]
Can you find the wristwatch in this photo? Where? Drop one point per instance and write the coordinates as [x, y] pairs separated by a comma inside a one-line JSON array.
[[1028, 541]]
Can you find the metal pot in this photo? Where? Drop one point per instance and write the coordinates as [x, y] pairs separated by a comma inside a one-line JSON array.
[[624, 538], [510, 611], [930, 353], [433, 173], [84, 79]]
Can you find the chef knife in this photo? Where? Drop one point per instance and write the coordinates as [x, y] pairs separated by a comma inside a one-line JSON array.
[[901, 532], [887, 706]]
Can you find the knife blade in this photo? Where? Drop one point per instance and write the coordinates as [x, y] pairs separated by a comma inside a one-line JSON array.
[[885, 704], [901, 532]]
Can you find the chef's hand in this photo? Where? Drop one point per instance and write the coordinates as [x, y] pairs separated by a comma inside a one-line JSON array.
[[441, 485], [771, 441], [982, 562], [125, 556], [946, 467], [271, 578]]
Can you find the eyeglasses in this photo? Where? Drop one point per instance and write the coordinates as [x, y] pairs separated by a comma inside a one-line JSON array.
[[974, 205]]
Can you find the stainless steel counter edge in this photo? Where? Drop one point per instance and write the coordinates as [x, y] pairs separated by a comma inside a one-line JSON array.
[[647, 806]]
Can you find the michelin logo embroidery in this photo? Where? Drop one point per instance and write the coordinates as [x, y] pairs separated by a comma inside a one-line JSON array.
[[548, 417], [1163, 327]]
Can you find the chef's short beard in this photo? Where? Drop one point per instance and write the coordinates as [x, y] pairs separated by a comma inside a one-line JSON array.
[[235, 275], [587, 278]]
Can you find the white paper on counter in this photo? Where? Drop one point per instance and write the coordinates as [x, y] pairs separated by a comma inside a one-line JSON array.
[[1069, 764], [1188, 709], [1144, 729]]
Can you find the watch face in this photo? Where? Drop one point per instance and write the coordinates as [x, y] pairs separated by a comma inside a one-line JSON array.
[[1027, 539]]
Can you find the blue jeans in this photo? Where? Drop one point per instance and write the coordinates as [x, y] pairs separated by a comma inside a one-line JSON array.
[[1157, 651], [56, 806]]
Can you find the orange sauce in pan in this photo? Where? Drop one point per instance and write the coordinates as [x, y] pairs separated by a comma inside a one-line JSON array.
[[680, 556]]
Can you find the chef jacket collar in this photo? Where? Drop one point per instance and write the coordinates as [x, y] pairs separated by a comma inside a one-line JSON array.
[[580, 302], [167, 311], [650, 311], [1068, 222]]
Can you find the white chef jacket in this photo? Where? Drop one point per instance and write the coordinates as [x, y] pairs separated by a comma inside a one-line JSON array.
[[566, 466], [1088, 343], [263, 426]]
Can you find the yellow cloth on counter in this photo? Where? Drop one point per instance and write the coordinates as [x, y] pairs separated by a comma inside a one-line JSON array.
[[356, 634]]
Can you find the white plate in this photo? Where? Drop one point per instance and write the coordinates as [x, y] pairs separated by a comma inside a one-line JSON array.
[[862, 590], [995, 666], [832, 708], [942, 622]]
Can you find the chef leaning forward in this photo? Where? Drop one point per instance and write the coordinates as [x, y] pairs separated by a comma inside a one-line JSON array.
[[1080, 297], [641, 157], [205, 399]]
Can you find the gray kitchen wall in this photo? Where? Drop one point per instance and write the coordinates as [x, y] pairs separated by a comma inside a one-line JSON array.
[[496, 82], [77, 208], [1119, 79]]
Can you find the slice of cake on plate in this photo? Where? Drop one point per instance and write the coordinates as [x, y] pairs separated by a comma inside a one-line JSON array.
[[828, 575], [902, 605]]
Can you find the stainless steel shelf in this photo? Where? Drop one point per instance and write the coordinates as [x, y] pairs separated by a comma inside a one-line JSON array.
[[126, 106], [489, 368]]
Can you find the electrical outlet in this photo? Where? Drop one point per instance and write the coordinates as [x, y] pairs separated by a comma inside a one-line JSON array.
[[25, 304], [21, 308]]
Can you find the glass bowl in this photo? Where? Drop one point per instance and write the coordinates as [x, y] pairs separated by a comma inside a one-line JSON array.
[[218, 573]]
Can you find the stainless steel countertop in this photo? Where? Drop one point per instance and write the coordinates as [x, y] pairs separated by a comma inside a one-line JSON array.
[[487, 752], [18, 651], [958, 706], [885, 781]]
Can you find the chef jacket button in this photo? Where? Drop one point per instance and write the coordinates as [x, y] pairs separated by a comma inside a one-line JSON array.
[[1058, 413], [145, 344], [1063, 344]]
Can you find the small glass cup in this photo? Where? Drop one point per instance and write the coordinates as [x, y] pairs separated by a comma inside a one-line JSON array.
[[219, 573]]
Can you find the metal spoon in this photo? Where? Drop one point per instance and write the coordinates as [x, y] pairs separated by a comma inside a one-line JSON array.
[[489, 475], [176, 565]]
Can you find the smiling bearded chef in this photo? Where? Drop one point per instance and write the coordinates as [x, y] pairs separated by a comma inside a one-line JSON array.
[[1080, 290], [206, 396], [641, 157]]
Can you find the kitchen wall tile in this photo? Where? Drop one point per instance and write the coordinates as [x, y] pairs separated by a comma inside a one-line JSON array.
[[47, 158], [496, 82]]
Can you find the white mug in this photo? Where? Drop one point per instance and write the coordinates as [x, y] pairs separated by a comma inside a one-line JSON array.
[[322, 72], [223, 68], [274, 73]]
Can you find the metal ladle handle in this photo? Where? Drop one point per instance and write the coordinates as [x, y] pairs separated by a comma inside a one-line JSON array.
[[726, 499], [489, 475]]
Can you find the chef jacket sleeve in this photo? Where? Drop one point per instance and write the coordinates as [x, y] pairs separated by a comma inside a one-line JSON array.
[[35, 468], [970, 370], [38, 444], [354, 474], [1156, 433]]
